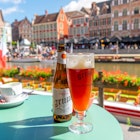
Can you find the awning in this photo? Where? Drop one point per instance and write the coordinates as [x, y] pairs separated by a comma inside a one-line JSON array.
[[115, 39]]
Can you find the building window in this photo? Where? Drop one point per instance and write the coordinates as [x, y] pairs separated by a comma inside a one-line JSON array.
[[74, 22], [82, 20], [87, 20], [82, 30], [91, 33], [90, 23], [52, 34], [116, 26], [61, 25], [95, 23], [104, 21], [86, 29], [124, 12], [103, 32], [48, 26], [78, 30], [136, 24], [115, 2], [46, 34], [108, 32], [71, 31], [55, 26], [136, 10], [108, 21], [51, 25], [124, 26], [124, 1], [95, 33], [115, 13], [101, 22], [78, 21], [62, 17], [74, 31]]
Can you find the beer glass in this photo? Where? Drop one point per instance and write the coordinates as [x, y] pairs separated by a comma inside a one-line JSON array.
[[80, 70]]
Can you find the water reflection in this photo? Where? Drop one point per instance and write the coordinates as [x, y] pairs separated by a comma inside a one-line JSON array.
[[25, 65], [130, 68]]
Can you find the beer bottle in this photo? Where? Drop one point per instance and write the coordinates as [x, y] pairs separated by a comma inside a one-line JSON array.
[[62, 103]]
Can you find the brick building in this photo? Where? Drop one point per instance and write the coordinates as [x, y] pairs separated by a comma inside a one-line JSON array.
[[2, 23], [50, 27], [125, 18], [120, 18], [78, 24], [100, 19], [22, 30]]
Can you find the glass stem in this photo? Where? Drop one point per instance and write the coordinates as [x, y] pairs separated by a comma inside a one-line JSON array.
[[80, 115]]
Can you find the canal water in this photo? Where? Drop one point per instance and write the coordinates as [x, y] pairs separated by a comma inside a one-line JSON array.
[[131, 68]]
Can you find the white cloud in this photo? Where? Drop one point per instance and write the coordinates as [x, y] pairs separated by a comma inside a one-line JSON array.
[[12, 1], [14, 8], [11, 10], [77, 5]]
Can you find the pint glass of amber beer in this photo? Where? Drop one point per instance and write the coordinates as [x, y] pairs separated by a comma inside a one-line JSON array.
[[80, 71]]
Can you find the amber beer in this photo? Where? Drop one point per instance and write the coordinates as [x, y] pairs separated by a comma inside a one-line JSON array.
[[80, 70], [80, 84]]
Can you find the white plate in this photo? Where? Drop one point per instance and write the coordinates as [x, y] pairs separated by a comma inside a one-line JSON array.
[[20, 99]]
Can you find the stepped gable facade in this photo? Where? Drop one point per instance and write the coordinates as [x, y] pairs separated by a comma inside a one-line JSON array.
[[78, 24], [85, 10], [22, 30], [100, 19], [50, 27]]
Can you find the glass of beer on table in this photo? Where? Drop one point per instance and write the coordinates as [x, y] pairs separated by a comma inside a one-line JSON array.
[[80, 72]]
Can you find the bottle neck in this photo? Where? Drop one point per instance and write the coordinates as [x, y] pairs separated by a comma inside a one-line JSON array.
[[61, 58]]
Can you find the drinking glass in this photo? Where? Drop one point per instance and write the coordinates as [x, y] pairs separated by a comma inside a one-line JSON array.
[[80, 70]]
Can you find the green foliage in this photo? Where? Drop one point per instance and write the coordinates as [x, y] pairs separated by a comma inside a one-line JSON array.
[[14, 43], [10, 72], [128, 121], [42, 73], [118, 78]]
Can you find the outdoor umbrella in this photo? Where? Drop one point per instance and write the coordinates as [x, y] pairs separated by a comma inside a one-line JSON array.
[[93, 40], [135, 39], [73, 40], [105, 40], [115, 39], [127, 39], [83, 41]]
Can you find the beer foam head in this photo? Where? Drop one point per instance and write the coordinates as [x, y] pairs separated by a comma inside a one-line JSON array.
[[80, 60]]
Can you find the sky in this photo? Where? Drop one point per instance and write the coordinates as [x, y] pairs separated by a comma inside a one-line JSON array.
[[19, 9]]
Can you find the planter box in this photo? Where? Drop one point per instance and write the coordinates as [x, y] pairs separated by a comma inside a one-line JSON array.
[[115, 86]]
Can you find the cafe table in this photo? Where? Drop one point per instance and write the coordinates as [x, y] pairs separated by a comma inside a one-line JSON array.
[[33, 120]]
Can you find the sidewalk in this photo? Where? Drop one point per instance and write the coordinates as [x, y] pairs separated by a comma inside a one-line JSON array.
[[108, 51], [130, 132]]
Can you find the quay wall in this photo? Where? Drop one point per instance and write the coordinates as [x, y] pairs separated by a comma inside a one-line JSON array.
[[107, 55]]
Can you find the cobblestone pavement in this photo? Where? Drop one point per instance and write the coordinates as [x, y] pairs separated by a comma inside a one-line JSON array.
[[130, 132]]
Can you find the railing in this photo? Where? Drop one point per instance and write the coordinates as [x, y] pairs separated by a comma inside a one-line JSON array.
[[97, 83]]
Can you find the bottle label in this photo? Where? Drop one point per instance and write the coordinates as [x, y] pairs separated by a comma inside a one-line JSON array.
[[62, 103], [61, 58]]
